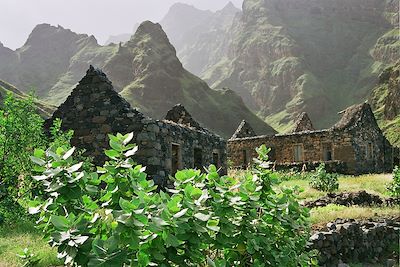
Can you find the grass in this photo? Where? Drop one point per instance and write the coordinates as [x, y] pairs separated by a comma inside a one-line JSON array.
[[14, 238], [332, 212], [372, 183]]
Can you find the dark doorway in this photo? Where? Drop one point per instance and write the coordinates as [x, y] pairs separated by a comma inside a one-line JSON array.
[[245, 158], [215, 158], [176, 158], [327, 152], [198, 158]]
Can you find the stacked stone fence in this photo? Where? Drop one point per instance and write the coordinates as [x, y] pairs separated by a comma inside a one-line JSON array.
[[355, 241], [361, 198]]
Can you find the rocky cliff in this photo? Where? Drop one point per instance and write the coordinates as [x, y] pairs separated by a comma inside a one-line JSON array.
[[145, 70], [200, 37], [285, 57]]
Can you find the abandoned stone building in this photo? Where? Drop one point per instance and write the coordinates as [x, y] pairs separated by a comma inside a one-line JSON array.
[[354, 145], [94, 110]]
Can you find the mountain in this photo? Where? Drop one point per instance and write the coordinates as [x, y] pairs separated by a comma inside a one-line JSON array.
[[121, 38], [149, 75], [285, 57], [145, 70], [385, 99], [199, 36]]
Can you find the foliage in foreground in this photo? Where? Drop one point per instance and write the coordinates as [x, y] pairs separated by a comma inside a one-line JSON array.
[[323, 181], [21, 131], [116, 217], [394, 186]]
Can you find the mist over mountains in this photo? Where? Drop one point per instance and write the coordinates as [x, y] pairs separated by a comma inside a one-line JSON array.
[[281, 57]]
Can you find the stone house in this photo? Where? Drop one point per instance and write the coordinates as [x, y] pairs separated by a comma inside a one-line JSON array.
[[94, 110], [354, 145]]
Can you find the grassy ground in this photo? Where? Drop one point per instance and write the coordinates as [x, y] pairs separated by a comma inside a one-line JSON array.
[[374, 184], [14, 238]]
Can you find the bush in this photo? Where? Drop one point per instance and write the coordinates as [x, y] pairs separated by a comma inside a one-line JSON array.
[[324, 181], [116, 216], [394, 187]]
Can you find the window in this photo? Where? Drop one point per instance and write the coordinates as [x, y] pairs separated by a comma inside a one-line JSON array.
[[298, 153], [198, 158], [327, 151], [215, 159], [370, 151], [176, 158], [245, 158]]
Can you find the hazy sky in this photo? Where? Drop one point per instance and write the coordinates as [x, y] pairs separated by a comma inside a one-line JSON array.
[[101, 18]]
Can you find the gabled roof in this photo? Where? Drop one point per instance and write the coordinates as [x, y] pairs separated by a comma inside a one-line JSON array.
[[303, 123], [244, 130], [355, 116], [180, 115]]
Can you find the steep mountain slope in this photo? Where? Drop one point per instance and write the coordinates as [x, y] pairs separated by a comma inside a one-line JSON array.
[[43, 59], [150, 76], [290, 56], [5, 88], [145, 69], [385, 99], [200, 37], [285, 57]]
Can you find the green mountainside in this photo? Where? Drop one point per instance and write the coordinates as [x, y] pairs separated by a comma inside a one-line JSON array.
[[385, 99], [145, 70], [290, 56], [5, 88]]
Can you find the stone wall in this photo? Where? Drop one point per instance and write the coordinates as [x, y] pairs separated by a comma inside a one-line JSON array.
[[353, 241], [356, 141], [94, 110], [282, 148]]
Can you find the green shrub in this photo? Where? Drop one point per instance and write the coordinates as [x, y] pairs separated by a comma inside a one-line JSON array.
[[116, 216], [324, 181], [394, 187]]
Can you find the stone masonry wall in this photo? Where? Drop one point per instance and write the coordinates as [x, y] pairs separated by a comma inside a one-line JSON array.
[[283, 147], [155, 148], [94, 110]]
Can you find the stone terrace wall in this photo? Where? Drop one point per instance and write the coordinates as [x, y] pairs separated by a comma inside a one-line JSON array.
[[355, 241], [283, 147]]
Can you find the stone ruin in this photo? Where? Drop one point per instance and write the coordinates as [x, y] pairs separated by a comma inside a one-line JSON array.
[[354, 145], [94, 110], [303, 124]]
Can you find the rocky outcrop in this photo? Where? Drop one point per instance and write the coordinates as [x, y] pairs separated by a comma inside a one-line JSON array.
[[350, 241]]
